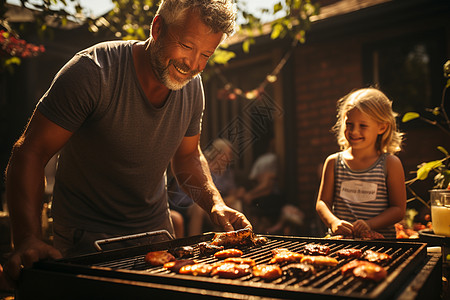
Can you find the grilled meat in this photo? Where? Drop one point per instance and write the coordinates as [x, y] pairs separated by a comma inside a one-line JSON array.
[[176, 265], [228, 253], [259, 240], [230, 270], [298, 270], [349, 253], [200, 269], [376, 257], [279, 250], [208, 249], [316, 249], [182, 252], [319, 260], [241, 260], [158, 258], [242, 237], [286, 257], [267, 272], [364, 270]]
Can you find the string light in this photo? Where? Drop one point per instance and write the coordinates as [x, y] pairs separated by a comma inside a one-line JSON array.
[[230, 92]]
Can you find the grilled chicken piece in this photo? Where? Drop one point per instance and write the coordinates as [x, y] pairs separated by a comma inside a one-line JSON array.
[[242, 237], [349, 253], [230, 270], [298, 270], [200, 269], [176, 265], [376, 257], [316, 249], [259, 240], [158, 258], [241, 260], [319, 260], [181, 252], [286, 257], [228, 253], [364, 270], [279, 250], [267, 272], [208, 249]]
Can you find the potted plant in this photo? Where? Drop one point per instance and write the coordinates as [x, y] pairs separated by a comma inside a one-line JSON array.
[[441, 167]]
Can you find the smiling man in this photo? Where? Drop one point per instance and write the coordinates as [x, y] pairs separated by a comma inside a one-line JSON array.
[[119, 113]]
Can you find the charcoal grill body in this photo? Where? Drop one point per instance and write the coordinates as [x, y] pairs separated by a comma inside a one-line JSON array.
[[123, 274]]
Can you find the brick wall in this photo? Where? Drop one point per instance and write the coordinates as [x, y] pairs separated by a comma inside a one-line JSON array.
[[324, 73]]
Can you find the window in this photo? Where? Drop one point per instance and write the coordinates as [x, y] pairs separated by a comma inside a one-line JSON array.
[[408, 70]]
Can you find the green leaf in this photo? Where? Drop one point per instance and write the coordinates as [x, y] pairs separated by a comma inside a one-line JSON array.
[[443, 150], [246, 46], [276, 31], [222, 56], [277, 7], [422, 172], [410, 116]]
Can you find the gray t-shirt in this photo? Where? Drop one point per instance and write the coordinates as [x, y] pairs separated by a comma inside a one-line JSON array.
[[111, 172]]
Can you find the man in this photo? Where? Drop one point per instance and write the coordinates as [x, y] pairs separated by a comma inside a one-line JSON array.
[[120, 112]]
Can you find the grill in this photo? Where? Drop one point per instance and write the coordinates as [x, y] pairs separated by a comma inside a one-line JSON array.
[[123, 273]]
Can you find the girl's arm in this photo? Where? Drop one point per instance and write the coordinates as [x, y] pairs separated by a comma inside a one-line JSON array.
[[396, 193], [325, 200]]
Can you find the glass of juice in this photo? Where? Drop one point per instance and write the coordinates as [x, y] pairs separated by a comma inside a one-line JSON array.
[[440, 213]]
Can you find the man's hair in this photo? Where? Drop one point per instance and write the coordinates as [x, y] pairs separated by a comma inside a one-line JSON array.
[[219, 15]]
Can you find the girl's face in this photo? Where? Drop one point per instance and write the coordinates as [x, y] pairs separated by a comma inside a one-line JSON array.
[[361, 131]]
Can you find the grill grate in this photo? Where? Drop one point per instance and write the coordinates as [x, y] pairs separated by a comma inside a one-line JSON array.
[[326, 279], [129, 264]]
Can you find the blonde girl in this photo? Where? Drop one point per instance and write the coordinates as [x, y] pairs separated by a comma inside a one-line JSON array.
[[362, 190]]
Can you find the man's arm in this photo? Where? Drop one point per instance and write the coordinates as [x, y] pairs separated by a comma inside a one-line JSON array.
[[25, 189], [192, 172]]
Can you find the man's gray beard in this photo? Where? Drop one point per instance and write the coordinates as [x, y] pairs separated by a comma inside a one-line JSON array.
[[161, 71]]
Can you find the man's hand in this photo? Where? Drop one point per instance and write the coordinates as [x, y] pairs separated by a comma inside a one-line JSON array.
[[342, 227], [30, 251], [228, 218]]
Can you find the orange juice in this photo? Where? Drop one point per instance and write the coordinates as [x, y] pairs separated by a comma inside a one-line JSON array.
[[440, 218]]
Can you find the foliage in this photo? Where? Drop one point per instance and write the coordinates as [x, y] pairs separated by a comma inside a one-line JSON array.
[[12, 50], [440, 167], [131, 19]]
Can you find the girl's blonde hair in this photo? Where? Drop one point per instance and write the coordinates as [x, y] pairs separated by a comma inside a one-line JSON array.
[[375, 104]]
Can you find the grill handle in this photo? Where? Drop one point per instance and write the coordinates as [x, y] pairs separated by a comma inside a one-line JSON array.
[[130, 237]]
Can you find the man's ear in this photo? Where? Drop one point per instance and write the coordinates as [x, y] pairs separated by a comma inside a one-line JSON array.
[[156, 26]]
